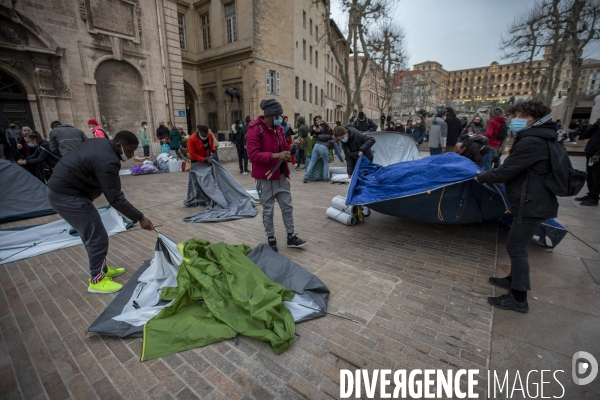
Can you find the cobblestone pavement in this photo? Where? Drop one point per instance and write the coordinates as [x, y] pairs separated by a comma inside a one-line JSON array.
[[418, 293]]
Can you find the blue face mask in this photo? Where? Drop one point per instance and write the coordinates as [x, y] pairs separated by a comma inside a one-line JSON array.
[[241, 126], [278, 121], [345, 140], [517, 124], [30, 144]]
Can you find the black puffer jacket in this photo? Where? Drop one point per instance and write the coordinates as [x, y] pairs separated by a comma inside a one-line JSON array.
[[92, 169], [357, 142], [529, 152]]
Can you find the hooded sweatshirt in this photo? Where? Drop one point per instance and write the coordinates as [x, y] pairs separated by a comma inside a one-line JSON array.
[[492, 131], [438, 131], [303, 132]]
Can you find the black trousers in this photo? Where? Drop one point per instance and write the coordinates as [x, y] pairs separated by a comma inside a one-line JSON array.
[[593, 177], [146, 150], [518, 239], [81, 214], [242, 159]]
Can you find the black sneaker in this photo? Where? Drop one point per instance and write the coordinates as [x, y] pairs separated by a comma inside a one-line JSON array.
[[305, 181], [294, 241], [273, 244], [508, 302], [500, 282], [241, 172], [297, 168], [582, 198], [589, 202]]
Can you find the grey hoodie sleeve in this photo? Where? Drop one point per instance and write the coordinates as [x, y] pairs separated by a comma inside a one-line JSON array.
[[443, 133]]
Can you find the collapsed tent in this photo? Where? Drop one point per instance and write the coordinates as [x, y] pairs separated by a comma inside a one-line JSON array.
[[549, 229], [23, 195], [214, 187], [391, 148], [437, 189], [19, 243], [213, 285]]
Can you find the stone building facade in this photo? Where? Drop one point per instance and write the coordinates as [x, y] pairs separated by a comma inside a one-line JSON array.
[[236, 53], [112, 60]]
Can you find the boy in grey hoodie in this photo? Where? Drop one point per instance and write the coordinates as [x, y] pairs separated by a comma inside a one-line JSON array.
[[438, 131]]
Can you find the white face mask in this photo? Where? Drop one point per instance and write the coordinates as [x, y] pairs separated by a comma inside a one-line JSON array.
[[122, 155], [145, 126], [91, 128]]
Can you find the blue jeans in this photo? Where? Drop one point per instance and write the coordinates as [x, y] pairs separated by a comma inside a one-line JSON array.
[[434, 151], [322, 152]]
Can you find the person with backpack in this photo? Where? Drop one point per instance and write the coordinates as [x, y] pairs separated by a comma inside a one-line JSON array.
[[496, 132], [96, 129], [364, 124], [473, 148], [592, 162], [525, 173]]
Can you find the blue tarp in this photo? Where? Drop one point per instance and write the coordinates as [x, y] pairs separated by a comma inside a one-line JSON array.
[[550, 229], [437, 189]]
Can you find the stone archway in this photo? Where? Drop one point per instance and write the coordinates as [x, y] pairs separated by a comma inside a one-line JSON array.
[[120, 92], [14, 106], [191, 102]]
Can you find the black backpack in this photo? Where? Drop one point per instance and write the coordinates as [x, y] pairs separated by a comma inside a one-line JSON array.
[[564, 180], [502, 133]]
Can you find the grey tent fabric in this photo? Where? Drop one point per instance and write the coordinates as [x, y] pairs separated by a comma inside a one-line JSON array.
[[22, 195], [139, 301], [31, 241], [391, 148], [310, 292], [223, 195]]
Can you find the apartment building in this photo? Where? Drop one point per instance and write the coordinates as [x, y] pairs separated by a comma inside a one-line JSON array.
[[239, 52]]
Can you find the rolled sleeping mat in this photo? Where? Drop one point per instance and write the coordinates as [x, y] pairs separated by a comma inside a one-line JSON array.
[[337, 170], [340, 216], [339, 202]]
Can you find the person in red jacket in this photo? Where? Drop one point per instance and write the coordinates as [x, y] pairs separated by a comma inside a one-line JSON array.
[[97, 129], [201, 146], [266, 145], [493, 128]]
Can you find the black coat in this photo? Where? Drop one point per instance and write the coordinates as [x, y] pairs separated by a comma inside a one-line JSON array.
[[454, 130], [593, 145], [529, 151], [475, 148], [162, 132], [366, 125], [240, 137], [357, 142], [43, 155], [92, 169]]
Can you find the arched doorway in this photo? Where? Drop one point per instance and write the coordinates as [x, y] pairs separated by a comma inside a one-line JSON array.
[[14, 107], [191, 100], [13, 102], [120, 93]]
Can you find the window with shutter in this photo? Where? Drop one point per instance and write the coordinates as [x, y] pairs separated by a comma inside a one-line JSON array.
[[268, 80], [277, 83]]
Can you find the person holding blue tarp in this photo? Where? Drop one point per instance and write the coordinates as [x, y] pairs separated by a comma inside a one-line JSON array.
[[354, 144], [531, 203]]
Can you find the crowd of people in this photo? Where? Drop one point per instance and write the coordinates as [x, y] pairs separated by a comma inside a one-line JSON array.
[[86, 168]]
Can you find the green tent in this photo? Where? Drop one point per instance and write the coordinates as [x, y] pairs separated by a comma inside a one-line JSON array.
[[220, 292]]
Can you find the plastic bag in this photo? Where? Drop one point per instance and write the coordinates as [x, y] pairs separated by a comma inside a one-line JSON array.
[[165, 148]]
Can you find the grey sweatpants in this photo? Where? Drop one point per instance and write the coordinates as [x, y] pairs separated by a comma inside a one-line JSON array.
[[81, 214], [268, 191]]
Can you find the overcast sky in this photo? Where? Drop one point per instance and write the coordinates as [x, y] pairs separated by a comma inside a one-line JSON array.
[[458, 34]]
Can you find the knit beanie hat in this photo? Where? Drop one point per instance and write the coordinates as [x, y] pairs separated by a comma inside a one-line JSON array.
[[271, 107]]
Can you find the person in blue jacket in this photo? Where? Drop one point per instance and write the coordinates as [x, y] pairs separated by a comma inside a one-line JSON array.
[[417, 130]]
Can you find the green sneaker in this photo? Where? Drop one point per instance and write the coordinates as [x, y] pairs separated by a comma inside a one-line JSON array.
[[106, 285], [114, 271]]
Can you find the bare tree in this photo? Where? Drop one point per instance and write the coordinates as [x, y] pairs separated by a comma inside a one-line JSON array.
[[419, 93], [523, 40], [361, 14], [388, 53], [582, 28]]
